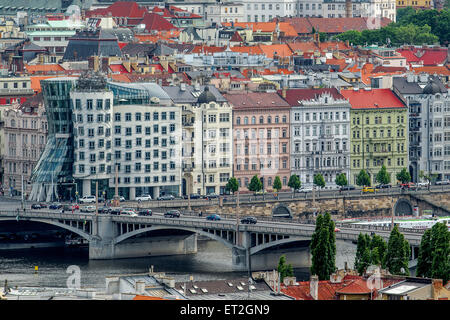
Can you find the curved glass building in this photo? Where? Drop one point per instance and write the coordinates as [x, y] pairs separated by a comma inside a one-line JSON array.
[[54, 168]]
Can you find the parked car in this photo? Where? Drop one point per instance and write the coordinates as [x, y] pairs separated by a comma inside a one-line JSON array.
[[367, 189], [130, 213], [213, 217], [145, 212], [166, 197], [144, 197], [121, 198], [88, 209], [36, 206], [55, 206], [347, 188], [211, 196], [383, 186], [43, 205], [69, 207], [260, 192], [408, 185], [172, 214], [88, 199], [443, 182], [249, 220]]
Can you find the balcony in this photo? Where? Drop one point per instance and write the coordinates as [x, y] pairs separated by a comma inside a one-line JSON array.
[[17, 91]]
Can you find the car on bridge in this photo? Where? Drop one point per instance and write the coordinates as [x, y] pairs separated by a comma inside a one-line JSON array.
[[193, 196], [408, 185], [88, 209], [213, 217], [211, 196], [172, 214], [36, 206], [249, 220], [144, 197], [305, 189], [145, 212], [383, 186], [347, 188], [55, 206], [104, 210], [88, 199], [166, 197], [115, 211], [43, 205], [73, 207], [367, 189], [130, 213], [442, 182]]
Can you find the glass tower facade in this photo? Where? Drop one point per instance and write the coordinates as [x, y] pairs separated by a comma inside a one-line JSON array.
[[52, 177]]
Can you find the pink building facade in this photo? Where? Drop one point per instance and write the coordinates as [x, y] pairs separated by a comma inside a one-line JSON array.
[[261, 136]]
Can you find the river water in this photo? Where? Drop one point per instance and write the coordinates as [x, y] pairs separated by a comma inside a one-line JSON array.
[[211, 262]]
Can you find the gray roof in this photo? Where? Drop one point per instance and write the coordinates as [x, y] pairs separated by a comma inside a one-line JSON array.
[[405, 87], [191, 94]]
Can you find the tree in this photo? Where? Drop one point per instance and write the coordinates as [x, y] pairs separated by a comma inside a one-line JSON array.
[[440, 242], [341, 180], [319, 180], [363, 179], [383, 176], [397, 254], [378, 249], [425, 257], [285, 270], [294, 182], [255, 184], [277, 184], [232, 185], [362, 258], [404, 176], [323, 248]]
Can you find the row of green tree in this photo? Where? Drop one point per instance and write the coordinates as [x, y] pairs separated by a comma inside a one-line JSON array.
[[363, 179], [433, 259], [413, 26]]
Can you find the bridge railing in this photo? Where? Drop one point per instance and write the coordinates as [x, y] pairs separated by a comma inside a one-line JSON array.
[[377, 228], [46, 215]]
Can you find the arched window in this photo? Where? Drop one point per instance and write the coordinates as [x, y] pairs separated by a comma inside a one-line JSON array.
[[238, 120], [246, 120], [284, 119], [269, 119], [253, 120], [13, 123], [261, 119], [285, 181], [277, 119]]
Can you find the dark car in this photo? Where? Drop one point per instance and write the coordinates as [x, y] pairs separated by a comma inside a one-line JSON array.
[[55, 206], [347, 188], [145, 212], [193, 196], [213, 217], [104, 210], [249, 220], [211, 196], [383, 186], [36, 206], [172, 214], [115, 211]]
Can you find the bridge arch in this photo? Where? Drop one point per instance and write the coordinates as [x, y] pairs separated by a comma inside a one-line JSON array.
[[79, 232], [403, 207], [281, 210], [267, 245], [130, 234]]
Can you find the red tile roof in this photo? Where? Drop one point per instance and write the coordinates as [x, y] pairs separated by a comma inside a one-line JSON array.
[[384, 69], [171, 13], [247, 49], [43, 68], [295, 95], [118, 68], [281, 50], [428, 56], [303, 46], [373, 98], [439, 70], [207, 49], [154, 21]]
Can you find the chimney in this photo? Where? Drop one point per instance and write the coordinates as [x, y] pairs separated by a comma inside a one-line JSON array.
[[140, 287], [437, 287], [314, 287], [283, 92]]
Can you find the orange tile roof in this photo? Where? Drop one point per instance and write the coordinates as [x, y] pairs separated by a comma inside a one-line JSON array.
[[249, 50], [303, 46], [333, 45], [340, 62], [285, 27], [43, 68], [207, 49], [281, 50], [372, 99], [439, 70]]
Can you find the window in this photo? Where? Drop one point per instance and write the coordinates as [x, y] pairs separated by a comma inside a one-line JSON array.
[[89, 104]]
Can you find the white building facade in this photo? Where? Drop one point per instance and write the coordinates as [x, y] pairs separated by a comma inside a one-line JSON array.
[[320, 125]]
